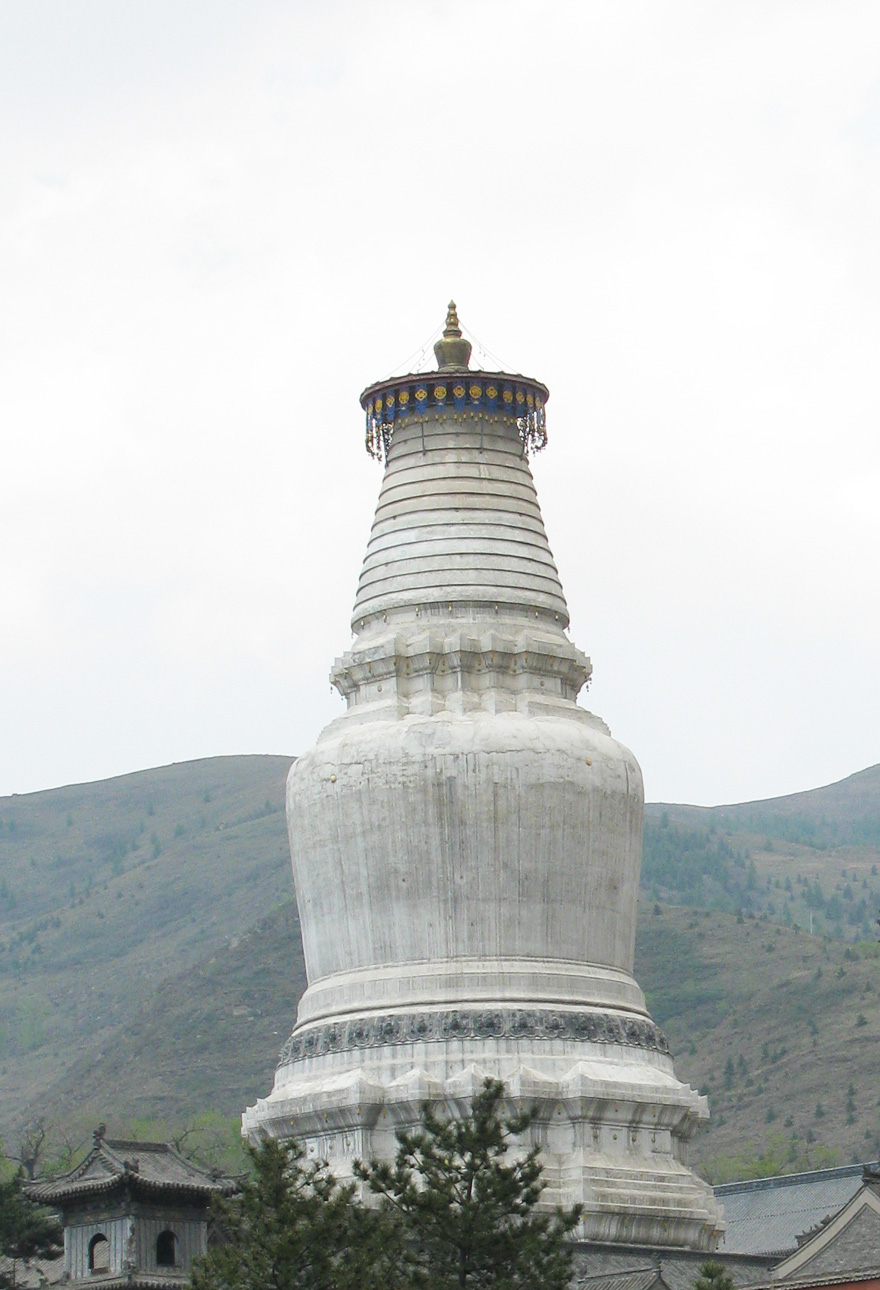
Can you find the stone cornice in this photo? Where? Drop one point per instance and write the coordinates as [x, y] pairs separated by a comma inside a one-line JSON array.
[[437, 661]]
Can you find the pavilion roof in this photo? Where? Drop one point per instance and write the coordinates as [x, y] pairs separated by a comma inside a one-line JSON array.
[[144, 1167]]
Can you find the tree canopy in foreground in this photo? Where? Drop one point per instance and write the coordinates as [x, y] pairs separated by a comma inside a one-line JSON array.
[[292, 1227], [714, 1276], [26, 1231], [451, 1213], [469, 1215]]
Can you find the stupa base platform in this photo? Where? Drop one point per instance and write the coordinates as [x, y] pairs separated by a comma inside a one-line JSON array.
[[612, 1120]]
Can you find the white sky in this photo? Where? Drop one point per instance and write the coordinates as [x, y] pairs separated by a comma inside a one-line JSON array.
[[220, 221]]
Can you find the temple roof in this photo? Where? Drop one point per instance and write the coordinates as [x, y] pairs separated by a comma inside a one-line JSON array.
[[768, 1215], [144, 1167], [630, 1267]]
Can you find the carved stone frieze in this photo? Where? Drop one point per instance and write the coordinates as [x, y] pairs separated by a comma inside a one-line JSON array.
[[532, 1024]]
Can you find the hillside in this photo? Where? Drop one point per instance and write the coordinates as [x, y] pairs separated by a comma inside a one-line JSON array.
[[808, 860], [845, 812], [150, 962], [780, 1028], [110, 889], [206, 1044]]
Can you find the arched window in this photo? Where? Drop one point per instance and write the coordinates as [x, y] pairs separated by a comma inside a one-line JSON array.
[[166, 1247], [99, 1253]]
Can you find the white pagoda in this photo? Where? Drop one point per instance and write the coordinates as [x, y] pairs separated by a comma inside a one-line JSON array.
[[466, 840]]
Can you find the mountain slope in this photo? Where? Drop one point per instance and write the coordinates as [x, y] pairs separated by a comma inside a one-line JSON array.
[[111, 888], [835, 814], [810, 859], [780, 1028]]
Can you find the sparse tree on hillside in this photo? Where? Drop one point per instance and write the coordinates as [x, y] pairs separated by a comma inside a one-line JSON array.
[[42, 1149], [30, 1148]]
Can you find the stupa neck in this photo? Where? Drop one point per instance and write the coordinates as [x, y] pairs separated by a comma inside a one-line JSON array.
[[459, 605], [458, 531]]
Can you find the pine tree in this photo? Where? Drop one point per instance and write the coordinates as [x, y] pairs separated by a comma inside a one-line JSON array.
[[292, 1227], [26, 1231], [469, 1217]]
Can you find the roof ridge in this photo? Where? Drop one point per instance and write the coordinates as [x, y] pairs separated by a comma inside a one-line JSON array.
[[786, 1180], [133, 1144], [74, 1174], [621, 1272]]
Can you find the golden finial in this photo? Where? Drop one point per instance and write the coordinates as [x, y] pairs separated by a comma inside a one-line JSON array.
[[452, 352]]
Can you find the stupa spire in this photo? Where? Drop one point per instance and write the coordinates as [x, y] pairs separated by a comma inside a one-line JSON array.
[[452, 351]]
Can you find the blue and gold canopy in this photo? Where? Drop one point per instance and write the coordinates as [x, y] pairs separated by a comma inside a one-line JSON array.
[[456, 392]]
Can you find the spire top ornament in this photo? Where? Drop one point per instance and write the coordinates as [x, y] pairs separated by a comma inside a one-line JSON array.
[[452, 351], [452, 326]]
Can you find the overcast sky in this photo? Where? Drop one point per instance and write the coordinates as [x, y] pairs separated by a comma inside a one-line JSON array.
[[220, 220]]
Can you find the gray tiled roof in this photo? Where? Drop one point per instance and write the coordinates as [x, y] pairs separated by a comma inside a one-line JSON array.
[[147, 1166], [621, 1267], [34, 1273], [38, 1273], [767, 1215], [649, 1278]]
